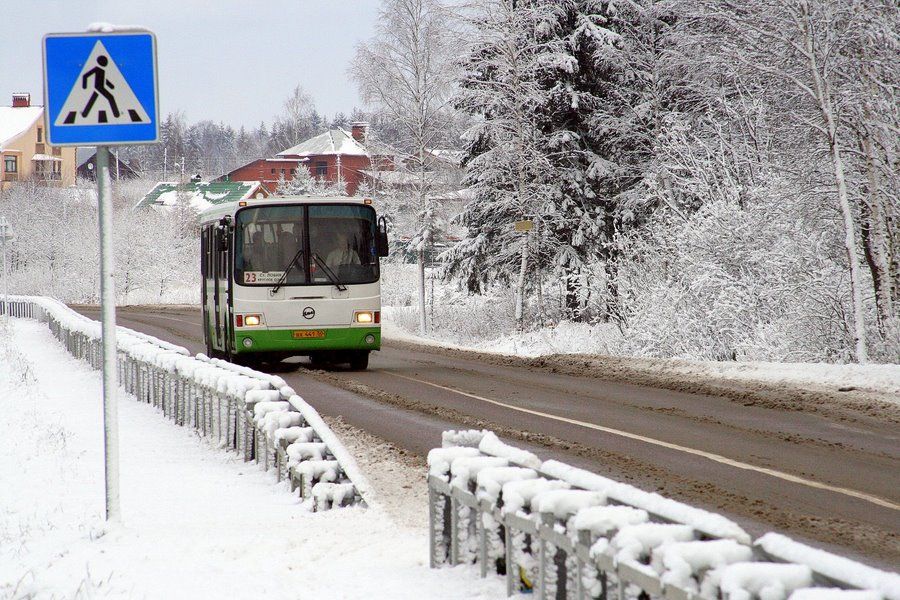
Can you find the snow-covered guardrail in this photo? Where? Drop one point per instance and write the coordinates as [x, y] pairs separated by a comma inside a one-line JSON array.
[[252, 413], [566, 533]]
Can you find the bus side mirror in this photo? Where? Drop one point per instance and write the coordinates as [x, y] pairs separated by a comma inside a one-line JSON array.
[[221, 240], [381, 239], [222, 234]]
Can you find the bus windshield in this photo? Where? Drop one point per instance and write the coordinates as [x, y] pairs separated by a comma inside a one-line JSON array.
[[314, 244]]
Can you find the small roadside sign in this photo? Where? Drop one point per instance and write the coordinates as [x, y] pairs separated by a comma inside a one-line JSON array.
[[101, 88], [527, 225]]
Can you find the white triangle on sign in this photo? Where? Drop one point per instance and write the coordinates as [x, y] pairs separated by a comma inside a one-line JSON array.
[[101, 95]]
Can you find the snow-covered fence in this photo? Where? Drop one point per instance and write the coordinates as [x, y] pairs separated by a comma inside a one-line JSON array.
[[254, 414], [566, 533]]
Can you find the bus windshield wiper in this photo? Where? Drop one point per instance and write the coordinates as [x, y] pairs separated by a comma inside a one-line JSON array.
[[329, 273], [284, 274]]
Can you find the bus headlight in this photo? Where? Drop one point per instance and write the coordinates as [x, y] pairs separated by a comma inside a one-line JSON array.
[[370, 339], [252, 320], [364, 316], [247, 342]]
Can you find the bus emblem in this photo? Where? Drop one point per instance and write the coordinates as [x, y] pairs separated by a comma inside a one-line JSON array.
[[309, 312]]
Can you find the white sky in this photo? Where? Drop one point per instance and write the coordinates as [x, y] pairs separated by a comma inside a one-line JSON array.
[[227, 60]]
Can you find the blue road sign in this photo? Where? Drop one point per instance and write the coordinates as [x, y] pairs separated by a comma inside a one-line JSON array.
[[101, 88]]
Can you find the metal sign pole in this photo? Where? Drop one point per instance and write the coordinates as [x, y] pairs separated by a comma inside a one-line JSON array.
[[119, 107], [108, 320]]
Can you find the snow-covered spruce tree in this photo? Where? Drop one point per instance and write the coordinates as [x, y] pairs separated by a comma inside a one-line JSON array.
[[301, 184], [543, 79], [593, 125], [406, 71], [507, 167]]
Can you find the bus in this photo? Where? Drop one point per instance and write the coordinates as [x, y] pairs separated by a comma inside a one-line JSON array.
[[292, 276]]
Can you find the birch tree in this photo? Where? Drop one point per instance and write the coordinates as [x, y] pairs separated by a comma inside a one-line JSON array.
[[802, 43], [406, 71]]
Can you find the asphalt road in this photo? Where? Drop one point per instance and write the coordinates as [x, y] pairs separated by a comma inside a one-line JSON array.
[[834, 481]]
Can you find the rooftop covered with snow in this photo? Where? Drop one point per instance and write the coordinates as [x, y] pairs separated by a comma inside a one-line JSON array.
[[16, 120], [333, 141], [201, 195]]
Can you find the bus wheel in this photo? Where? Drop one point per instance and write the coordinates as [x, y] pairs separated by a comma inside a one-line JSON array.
[[318, 361], [359, 361]]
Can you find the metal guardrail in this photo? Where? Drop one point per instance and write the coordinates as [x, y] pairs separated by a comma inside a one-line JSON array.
[[565, 533], [248, 412]]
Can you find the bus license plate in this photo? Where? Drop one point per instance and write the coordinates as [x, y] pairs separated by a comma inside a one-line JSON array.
[[304, 334]]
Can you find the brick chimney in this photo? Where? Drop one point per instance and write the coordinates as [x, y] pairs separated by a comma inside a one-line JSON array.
[[359, 129], [21, 100]]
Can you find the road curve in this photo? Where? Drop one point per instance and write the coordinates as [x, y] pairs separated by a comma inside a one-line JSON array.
[[826, 479]]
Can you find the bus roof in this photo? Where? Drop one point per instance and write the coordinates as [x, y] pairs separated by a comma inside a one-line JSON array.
[[214, 213]]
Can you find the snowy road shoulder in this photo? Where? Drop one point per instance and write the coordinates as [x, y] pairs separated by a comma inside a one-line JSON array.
[[572, 348], [197, 522]]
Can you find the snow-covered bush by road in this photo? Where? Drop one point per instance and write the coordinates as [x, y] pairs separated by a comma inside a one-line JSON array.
[[56, 250]]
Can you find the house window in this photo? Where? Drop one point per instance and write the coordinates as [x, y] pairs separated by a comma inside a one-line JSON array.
[[321, 169], [10, 164], [293, 172], [273, 171], [282, 172], [40, 136]]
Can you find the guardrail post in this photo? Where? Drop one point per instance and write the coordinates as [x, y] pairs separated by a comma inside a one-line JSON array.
[[432, 525], [454, 530], [512, 573]]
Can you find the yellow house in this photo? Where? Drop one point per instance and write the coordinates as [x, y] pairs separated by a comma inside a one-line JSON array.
[[24, 153]]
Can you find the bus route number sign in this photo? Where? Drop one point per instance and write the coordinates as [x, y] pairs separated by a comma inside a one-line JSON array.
[[263, 276]]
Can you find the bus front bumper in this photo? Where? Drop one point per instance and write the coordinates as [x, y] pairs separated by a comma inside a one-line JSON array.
[[286, 340]]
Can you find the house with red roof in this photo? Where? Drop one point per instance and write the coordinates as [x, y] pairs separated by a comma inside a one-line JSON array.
[[334, 155]]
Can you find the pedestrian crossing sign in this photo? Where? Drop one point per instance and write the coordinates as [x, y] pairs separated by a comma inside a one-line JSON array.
[[100, 89]]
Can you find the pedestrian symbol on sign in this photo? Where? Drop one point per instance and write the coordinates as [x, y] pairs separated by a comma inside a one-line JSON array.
[[100, 78]]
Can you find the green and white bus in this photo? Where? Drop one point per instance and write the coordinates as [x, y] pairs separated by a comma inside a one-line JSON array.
[[293, 276]]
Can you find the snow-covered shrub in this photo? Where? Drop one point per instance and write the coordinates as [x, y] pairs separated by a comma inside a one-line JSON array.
[[758, 282], [56, 250]]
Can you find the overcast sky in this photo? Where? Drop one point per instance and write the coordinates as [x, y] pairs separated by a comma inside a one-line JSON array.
[[227, 60]]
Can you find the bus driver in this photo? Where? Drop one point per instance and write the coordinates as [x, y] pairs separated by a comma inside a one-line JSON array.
[[342, 254]]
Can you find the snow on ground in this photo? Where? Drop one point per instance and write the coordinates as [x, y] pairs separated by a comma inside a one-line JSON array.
[[197, 522], [582, 340]]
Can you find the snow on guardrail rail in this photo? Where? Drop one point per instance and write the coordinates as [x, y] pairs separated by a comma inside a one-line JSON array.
[[252, 413], [566, 533]]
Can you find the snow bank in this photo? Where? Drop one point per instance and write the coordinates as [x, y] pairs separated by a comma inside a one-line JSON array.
[[489, 482], [749, 580], [565, 503], [464, 469], [830, 565], [260, 393], [834, 594], [439, 459], [301, 451], [465, 437], [491, 444], [518, 495], [679, 562], [197, 522], [601, 520], [709, 523], [634, 542]]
